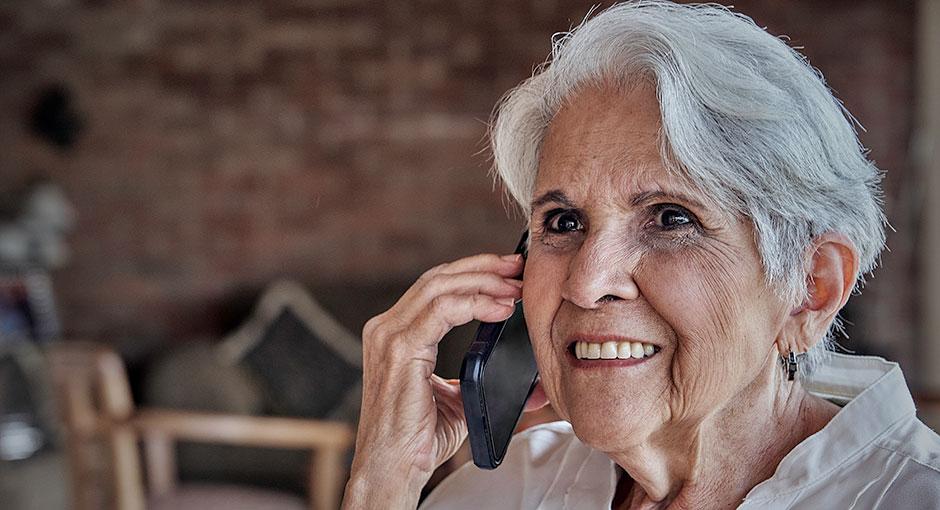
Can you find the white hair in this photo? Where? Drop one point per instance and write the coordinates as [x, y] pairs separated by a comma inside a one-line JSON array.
[[745, 119]]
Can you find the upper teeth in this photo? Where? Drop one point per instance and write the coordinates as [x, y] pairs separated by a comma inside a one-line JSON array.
[[612, 350]]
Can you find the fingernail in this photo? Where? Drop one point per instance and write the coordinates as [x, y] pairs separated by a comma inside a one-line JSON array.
[[506, 301], [513, 282], [511, 258]]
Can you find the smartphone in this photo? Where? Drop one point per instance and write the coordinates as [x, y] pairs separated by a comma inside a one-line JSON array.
[[496, 378]]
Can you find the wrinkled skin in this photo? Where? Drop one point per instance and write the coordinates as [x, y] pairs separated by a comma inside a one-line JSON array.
[[622, 248], [619, 248], [412, 420], [683, 275]]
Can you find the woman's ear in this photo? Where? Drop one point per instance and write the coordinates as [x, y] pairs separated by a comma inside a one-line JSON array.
[[832, 268]]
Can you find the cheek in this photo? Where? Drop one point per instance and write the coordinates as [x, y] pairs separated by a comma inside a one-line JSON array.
[[541, 297], [695, 298], [539, 287], [709, 300]]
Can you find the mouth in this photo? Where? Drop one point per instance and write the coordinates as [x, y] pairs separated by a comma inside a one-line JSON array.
[[619, 352]]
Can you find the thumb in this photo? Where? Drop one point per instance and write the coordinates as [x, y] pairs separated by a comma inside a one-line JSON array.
[[451, 430], [447, 394]]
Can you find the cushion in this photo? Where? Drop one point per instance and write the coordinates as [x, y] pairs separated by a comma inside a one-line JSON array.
[[307, 364], [193, 376], [225, 497]]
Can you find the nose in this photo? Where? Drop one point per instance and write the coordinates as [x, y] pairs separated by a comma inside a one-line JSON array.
[[601, 271]]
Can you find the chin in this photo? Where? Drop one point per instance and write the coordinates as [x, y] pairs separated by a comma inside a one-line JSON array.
[[614, 425], [608, 436]]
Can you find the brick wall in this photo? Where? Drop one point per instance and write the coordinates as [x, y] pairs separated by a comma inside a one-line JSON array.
[[228, 142]]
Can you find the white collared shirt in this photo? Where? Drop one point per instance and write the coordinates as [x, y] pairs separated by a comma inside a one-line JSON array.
[[874, 453]]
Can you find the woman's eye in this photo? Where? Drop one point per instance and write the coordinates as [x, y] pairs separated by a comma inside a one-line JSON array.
[[565, 221], [672, 217]]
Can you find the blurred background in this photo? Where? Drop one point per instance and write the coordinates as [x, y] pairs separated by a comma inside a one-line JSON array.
[[201, 203]]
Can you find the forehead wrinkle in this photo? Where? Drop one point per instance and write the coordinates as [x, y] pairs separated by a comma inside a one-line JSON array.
[[616, 186], [650, 177], [575, 174], [589, 153], [575, 136], [654, 177]]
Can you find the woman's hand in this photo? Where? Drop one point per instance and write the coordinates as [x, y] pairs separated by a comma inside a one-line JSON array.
[[412, 420]]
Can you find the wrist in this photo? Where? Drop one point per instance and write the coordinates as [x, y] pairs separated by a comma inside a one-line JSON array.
[[392, 490]]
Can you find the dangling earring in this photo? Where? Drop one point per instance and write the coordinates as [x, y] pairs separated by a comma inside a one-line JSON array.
[[792, 363]]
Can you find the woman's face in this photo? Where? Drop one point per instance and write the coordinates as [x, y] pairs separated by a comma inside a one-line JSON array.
[[623, 251]]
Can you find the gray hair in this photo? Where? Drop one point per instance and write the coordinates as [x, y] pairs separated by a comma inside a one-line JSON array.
[[745, 119]]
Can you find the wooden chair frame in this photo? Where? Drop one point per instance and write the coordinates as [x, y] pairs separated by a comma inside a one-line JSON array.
[[96, 404]]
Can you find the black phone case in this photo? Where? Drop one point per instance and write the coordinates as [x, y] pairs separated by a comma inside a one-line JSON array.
[[480, 436], [485, 454]]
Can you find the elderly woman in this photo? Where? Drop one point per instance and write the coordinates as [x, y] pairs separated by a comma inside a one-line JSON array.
[[700, 209]]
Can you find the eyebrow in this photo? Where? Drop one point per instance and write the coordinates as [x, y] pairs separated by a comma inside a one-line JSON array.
[[555, 195], [646, 196], [558, 196]]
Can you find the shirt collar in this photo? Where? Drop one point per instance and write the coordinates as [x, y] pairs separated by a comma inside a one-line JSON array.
[[874, 396]]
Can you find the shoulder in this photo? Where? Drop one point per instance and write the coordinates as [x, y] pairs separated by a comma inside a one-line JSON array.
[[915, 451], [900, 470], [874, 453], [916, 441], [535, 459]]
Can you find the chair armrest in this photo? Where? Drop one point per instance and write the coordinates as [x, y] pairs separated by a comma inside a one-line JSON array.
[[160, 428], [244, 430]]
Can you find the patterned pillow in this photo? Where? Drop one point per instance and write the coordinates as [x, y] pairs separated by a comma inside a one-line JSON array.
[[307, 364]]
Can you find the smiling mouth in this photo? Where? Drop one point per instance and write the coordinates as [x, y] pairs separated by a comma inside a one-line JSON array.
[[612, 350]]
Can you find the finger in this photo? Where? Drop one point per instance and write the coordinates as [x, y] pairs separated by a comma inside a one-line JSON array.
[[447, 396], [451, 430], [504, 265], [447, 311], [445, 385], [417, 298]]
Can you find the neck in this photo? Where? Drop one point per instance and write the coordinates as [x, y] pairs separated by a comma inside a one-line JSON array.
[[720, 458]]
